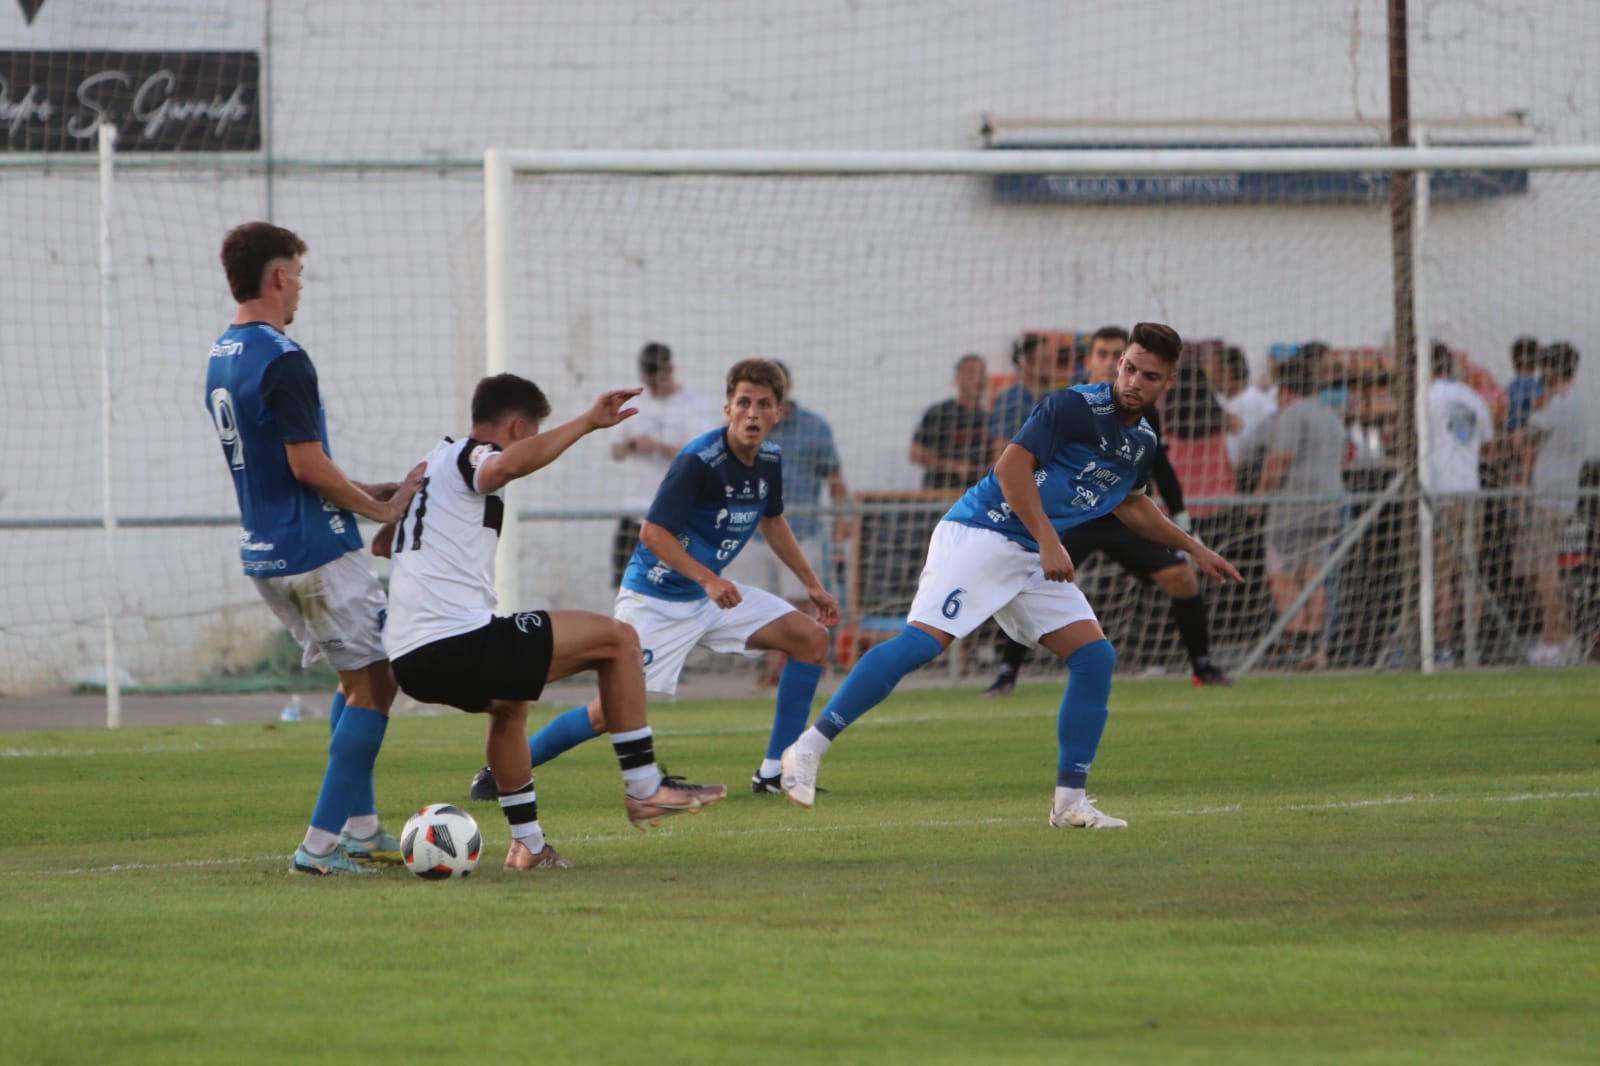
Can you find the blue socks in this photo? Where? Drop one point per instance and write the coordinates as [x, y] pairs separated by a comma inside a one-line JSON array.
[[366, 799], [348, 779], [565, 731], [796, 687], [1083, 711], [875, 676]]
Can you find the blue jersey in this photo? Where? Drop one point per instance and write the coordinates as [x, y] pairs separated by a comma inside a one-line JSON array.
[[1089, 462], [811, 459], [712, 502], [1009, 410], [261, 390]]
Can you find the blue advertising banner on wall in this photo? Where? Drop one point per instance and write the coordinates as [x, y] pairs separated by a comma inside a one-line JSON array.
[[1361, 187]]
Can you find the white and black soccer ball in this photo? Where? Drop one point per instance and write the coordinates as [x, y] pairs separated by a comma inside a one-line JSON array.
[[441, 841]]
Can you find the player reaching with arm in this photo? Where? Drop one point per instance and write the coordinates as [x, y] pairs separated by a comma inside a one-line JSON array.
[[723, 486], [1153, 563], [1083, 453], [449, 647], [298, 540]]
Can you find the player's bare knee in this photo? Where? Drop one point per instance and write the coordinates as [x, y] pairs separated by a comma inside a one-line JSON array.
[[625, 643], [810, 644]]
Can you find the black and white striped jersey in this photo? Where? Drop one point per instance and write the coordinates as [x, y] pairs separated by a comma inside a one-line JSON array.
[[442, 581]]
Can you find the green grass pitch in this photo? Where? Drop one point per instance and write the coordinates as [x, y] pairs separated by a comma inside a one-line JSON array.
[[1372, 869]]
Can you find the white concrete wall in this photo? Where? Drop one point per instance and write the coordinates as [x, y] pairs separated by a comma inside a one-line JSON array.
[[868, 289]]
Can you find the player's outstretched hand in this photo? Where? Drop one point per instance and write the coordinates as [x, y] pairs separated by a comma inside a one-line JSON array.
[[827, 606], [612, 408], [723, 593], [1056, 562], [1215, 565]]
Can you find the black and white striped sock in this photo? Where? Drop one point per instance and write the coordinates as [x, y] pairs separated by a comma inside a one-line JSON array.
[[521, 809], [636, 754]]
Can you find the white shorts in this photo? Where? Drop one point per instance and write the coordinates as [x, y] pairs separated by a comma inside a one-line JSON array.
[[334, 612], [973, 575], [670, 629], [759, 565]]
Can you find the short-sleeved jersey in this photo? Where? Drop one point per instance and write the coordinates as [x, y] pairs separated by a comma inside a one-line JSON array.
[[1089, 462], [1010, 410], [809, 460], [442, 581], [261, 391], [713, 503], [952, 430]]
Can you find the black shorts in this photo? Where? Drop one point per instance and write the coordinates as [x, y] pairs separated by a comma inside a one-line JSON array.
[[1138, 556], [508, 659]]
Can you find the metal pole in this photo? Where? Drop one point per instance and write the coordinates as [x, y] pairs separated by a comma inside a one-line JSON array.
[[109, 587]]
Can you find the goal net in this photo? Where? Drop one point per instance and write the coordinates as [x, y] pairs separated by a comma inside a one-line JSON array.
[[870, 286]]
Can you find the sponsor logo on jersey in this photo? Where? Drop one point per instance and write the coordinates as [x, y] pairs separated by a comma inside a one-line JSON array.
[[480, 453], [226, 349], [722, 516]]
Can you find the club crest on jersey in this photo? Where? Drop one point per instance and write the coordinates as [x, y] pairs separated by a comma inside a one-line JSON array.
[[761, 488], [525, 619], [480, 453]]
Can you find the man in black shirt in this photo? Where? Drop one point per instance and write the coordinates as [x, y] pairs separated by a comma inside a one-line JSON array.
[[952, 440]]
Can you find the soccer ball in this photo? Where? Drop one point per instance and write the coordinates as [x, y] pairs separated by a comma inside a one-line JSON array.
[[441, 841]]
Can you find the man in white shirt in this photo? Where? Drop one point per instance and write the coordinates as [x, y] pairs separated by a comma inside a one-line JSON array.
[[1247, 406], [1459, 425], [1560, 433], [670, 416]]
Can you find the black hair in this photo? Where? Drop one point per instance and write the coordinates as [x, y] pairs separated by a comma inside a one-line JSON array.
[[1443, 363], [1298, 374], [1238, 366], [1193, 412], [1109, 333], [248, 248], [1525, 352], [1560, 360], [1159, 340], [1026, 348], [507, 394]]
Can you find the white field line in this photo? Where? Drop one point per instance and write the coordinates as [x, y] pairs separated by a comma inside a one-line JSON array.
[[786, 830]]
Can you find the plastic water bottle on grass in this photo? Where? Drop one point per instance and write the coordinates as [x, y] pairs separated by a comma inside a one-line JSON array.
[[291, 710]]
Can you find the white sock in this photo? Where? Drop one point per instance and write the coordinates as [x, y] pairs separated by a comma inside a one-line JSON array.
[[813, 741], [770, 768], [319, 841], [362, 826], [1066, 797], [531, 834], [642, 781]]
